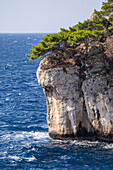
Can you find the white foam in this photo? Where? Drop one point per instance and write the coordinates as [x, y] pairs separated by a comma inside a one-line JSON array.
[[8, 94], [14, 157], [20, 136], [7, 99], [31, 159], [3, 155], [109, 146], [4, 125], [9, 65]]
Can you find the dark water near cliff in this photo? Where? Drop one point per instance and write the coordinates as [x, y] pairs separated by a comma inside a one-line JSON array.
[[24, 140]]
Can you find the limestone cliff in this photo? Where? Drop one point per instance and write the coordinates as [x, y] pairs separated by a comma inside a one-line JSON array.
[[79, 92]]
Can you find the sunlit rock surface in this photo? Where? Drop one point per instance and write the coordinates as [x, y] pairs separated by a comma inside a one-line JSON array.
[[79, 92]]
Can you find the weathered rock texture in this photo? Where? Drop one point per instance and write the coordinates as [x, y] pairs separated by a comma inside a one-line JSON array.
[[79, 92]]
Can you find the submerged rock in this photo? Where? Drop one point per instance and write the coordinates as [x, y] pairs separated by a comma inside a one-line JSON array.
[[79, 92]]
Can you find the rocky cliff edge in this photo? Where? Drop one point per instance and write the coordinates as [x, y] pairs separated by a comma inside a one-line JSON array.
[[79, 91]]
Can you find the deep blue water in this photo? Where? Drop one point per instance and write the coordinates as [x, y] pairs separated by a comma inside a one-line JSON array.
[[24, 140]]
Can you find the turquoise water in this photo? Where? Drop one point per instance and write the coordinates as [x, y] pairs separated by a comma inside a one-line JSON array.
[[24, 140]]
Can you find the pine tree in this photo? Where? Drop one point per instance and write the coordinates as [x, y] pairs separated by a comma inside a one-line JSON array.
[[105, 15], [83, 33], [66, 38], [107, 9]]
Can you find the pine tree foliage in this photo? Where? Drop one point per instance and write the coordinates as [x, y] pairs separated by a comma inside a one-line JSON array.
[[107, 9], [89, 30], [105, 15]]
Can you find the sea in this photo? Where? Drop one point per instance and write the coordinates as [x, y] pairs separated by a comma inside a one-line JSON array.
[[24, 140]]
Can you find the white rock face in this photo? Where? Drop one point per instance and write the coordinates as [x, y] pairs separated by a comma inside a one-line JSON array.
[[79, 96], [98, 95], [65, 103]]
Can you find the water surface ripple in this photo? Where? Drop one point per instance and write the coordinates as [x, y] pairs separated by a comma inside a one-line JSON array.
[[24, 140]]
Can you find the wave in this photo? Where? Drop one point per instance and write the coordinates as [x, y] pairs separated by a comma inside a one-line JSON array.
[[23, 136]]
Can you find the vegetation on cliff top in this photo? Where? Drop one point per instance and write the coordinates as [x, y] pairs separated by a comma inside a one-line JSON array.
[[88, 31], [107, 9]]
